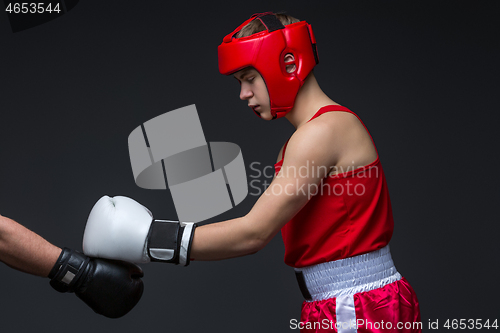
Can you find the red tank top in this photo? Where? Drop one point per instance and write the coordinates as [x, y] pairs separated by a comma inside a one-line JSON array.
[[350, 215]]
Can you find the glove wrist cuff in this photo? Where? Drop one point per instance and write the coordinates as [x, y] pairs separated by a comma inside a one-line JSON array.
[[185, 244], [170, 241], [67, 270]]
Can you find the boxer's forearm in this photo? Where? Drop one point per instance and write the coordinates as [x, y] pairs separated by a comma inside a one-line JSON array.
[[224, 240], [247, 234], [24, 250]]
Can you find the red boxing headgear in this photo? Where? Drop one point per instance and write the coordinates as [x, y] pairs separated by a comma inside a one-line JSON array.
[[265, 51]]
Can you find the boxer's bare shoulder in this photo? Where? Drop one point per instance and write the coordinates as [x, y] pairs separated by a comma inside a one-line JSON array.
[[339, 135]]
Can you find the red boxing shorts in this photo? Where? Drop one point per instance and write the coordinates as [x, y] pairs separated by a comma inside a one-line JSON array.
[[360, 294]]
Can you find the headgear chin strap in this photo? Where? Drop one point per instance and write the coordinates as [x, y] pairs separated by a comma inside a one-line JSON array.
[[265, 51]]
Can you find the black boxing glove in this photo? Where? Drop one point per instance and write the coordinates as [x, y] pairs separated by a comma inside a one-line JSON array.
[[110, 287]]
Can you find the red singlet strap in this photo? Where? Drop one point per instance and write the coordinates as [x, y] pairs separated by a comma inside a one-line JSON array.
[[329, 108]]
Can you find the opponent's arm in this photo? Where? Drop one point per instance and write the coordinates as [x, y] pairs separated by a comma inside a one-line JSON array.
[[110, 288], [121, 228], [24, 250]]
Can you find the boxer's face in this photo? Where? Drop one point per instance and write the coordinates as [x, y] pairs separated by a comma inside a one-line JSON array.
[[254, 91]]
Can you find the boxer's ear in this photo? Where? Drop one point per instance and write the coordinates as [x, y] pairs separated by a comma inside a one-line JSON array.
[[289, 58]]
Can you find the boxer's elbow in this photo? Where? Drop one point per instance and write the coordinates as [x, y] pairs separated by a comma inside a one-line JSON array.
[[254, 245], [256, 240]]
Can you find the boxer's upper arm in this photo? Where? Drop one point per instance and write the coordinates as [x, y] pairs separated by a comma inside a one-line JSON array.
[[291, 190]]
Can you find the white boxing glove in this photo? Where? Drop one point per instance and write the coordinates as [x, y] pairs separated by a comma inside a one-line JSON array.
[[121, 228]]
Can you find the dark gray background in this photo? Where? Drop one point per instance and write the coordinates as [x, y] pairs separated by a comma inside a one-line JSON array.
[[423, 76]]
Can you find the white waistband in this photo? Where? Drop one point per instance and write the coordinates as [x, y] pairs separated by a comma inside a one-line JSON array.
[[350, 275]]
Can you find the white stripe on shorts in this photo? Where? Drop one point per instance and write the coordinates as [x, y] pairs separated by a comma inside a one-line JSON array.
[[346, 314]]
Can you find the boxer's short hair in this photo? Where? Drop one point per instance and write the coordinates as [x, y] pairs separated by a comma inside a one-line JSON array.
[[256, 26]]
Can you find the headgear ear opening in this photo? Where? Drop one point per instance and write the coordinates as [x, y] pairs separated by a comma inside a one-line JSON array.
[[265, 51]]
